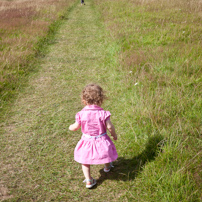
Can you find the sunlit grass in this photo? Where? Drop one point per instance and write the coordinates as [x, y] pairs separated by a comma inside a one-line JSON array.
[[22, 25], [160, 46], [152, 78]]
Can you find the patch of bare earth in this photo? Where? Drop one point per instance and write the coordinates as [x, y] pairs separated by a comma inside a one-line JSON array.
[[4, 192]]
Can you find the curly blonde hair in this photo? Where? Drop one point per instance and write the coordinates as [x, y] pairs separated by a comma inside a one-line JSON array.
[[93, 94]]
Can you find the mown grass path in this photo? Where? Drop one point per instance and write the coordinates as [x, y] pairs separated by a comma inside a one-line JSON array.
[[37, 148]]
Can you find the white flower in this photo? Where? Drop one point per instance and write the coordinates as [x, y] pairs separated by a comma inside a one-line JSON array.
[[135, 84], [130, 72]]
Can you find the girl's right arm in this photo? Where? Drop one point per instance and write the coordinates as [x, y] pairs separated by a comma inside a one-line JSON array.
[[111, 129], [74, 126]]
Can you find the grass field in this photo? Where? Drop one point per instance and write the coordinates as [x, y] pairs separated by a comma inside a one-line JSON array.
[[147, 56], [160, 47], [24, 25]]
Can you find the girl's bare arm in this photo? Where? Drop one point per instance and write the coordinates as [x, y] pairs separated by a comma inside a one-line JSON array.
[[74, 127], [111, 129]]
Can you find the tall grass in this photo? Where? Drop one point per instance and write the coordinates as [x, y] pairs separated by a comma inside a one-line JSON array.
[[160, 55], [22, 25]]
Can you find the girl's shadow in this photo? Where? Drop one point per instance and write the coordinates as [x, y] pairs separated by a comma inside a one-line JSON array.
[[127, 169]]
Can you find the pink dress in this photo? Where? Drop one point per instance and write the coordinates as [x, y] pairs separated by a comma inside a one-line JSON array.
[[94, 147]]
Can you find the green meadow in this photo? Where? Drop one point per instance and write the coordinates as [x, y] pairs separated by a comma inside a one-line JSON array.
[[147, 57]]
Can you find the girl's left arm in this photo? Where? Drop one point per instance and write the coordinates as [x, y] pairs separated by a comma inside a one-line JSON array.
[[74, 127]]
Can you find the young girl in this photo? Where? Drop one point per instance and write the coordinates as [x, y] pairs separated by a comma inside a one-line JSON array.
[[95, 146]]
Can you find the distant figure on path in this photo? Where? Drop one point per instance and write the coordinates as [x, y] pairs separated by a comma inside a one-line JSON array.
[[82, 2], [95, 146]]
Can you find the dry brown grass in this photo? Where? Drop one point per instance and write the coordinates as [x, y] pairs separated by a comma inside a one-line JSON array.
[[187, 5], [22, 23]]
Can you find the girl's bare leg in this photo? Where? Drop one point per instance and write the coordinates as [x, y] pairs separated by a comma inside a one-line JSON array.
[[107, 166], [86, 171]]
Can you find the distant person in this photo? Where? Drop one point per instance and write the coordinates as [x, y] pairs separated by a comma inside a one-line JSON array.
[[95, 146], [82, 2]]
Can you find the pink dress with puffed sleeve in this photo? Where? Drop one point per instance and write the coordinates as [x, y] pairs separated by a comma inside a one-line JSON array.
[[95, 146]]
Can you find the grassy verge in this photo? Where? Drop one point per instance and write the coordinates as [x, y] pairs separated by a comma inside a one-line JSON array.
[[26, 28], [160, 43]]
